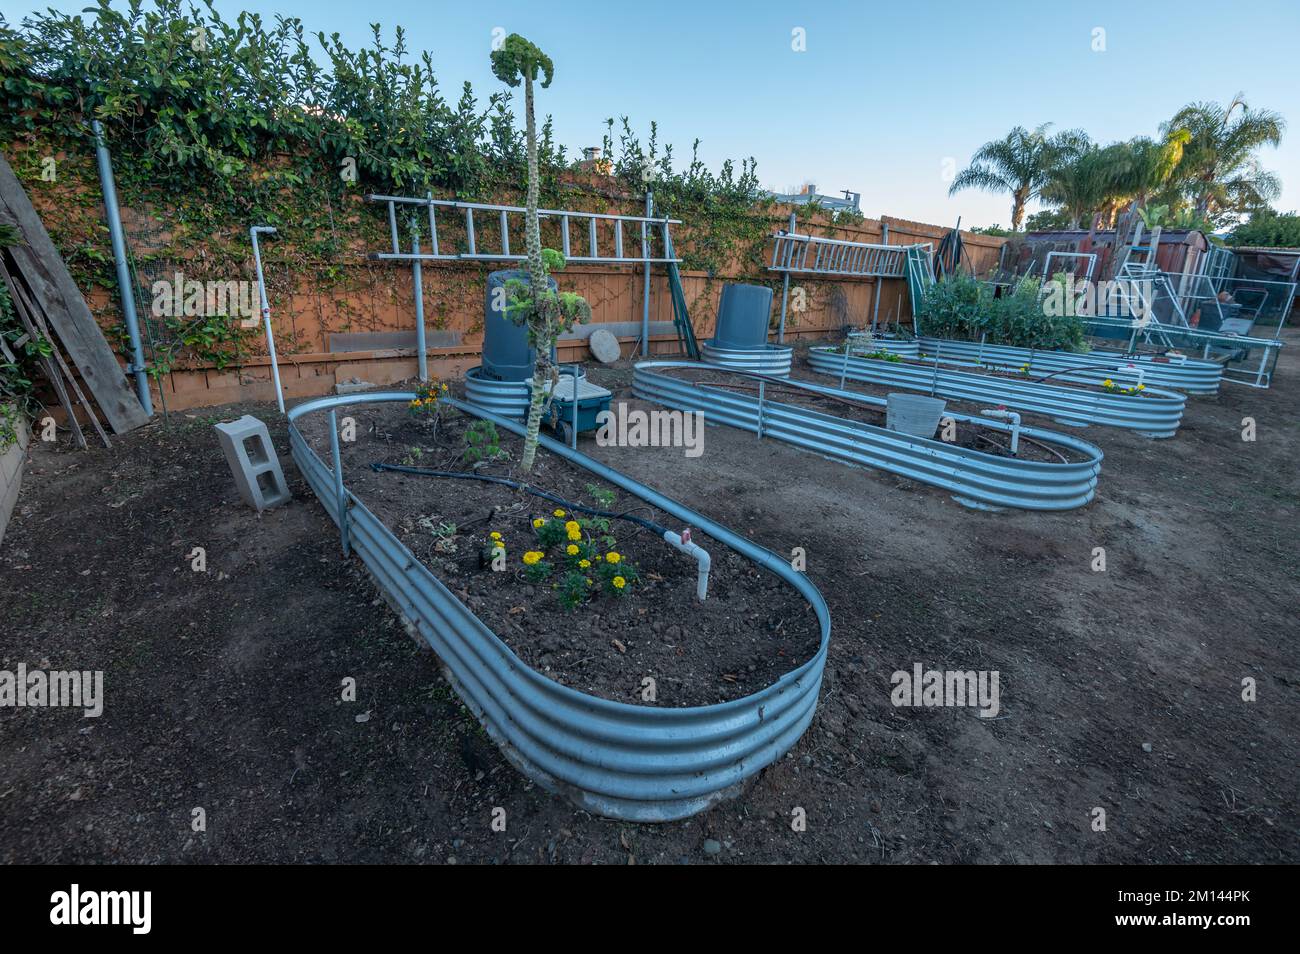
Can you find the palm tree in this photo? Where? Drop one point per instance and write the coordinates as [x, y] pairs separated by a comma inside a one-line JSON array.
[[545, 313], [1022, 163], [1218, 168], [1084, 186], [1151, 165]]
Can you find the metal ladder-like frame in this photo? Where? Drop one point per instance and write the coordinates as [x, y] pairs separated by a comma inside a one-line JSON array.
[[642, 228], [837, 258]]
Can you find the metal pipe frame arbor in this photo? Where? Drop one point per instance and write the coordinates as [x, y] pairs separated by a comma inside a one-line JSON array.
[[639, 763]]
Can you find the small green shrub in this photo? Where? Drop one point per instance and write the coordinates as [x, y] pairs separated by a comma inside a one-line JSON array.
[[482, 443], [962, 308]]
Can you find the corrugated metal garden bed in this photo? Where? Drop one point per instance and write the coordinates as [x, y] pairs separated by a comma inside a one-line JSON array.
[[1189, 375], [636, 762], [1154, 412], [974, 478]]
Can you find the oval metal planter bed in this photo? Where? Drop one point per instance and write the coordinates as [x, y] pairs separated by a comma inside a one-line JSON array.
[[1154, 413], [975, 479], [639, 763], [507, 398], [769, 359], [1190, 375]]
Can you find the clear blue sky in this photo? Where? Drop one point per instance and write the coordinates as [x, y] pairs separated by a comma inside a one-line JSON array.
[[883, 94]]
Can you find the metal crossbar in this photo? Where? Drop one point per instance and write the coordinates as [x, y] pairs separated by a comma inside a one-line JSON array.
[[578, 230], [792, 252], [1234, 352], [1090, 257]]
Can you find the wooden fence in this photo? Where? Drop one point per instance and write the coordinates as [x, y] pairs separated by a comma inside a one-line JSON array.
[[324, 338]]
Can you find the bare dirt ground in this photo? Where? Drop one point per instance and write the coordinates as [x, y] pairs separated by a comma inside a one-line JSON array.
[[1120, 690]]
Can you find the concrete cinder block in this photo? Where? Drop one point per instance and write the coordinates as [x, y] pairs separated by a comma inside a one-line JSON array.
[[353, 386], [253, 461]]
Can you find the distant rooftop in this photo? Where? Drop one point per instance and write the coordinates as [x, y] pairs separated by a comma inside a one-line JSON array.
[[809, 194]]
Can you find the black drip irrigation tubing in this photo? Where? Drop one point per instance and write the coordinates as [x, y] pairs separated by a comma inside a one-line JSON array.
[[659, 529]]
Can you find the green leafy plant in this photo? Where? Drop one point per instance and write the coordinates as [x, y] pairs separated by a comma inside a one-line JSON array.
[[962, 308], [482, 443], [585, 552], [602, 495], [1268, 229], [573, 589]]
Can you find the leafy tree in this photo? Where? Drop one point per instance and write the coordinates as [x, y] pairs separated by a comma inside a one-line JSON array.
[[1022, 163], [1268, 228], [546, 314]]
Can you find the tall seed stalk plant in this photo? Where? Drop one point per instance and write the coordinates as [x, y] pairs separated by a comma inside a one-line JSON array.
[[546, 314]]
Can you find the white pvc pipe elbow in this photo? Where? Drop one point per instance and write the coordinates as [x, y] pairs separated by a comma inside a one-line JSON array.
[[683, 543], [1013, 417]]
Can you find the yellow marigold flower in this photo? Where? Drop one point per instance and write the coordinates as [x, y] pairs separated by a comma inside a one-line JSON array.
[[571, 549], [533, 556], [612, 557], [559, 513], [572, 525], [575, 535], [1142, 387], [583, 563], [539, 523], [1108, 382], [619, 582], [495, 535]]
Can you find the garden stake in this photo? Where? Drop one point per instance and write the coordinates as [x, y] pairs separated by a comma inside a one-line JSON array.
[[340, 495]]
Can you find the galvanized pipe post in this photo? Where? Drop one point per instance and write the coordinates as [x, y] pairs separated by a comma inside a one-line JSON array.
[[266, 311], [573, 438], [417, 282], [109, 187], [875, 305], [645, 287], [340, 495], [785, 288]]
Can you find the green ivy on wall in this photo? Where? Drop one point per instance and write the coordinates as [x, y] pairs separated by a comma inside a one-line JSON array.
[[216, 124]]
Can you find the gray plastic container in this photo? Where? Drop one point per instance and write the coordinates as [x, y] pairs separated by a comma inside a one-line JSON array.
[[506, 354], [744, 314], [914, 414]]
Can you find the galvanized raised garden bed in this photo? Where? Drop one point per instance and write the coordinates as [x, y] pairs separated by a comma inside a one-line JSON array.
[[1153, 413], [507, 398], [974, 478], [770, 359], [633, 762], [1189, 375]]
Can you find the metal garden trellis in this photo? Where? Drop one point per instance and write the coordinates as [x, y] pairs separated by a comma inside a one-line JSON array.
[[840, 258], [643, 229]]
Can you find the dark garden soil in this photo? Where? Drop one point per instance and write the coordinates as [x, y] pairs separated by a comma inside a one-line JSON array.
[[1121, 690], [986, 440], [751, 630]]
